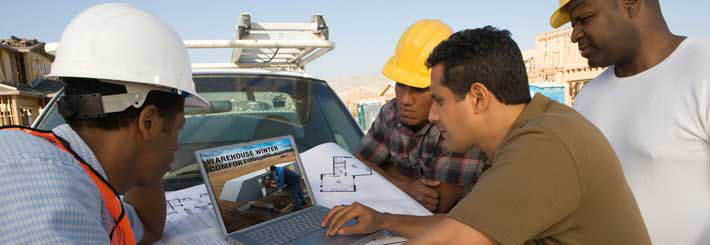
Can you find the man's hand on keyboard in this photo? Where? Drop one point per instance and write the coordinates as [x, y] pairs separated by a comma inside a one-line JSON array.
[[368, 220]]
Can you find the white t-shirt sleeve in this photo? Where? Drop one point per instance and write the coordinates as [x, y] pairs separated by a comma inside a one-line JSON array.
[[701, 89], [703, 96]]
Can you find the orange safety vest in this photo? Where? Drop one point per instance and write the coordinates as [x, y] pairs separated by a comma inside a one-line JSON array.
[[122, 233]]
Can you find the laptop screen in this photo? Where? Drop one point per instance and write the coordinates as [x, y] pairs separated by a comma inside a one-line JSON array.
[[254, 182]]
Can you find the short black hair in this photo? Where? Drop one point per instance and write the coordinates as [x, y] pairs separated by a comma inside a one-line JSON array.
[[272, 168], [169, 105], [484, 55]]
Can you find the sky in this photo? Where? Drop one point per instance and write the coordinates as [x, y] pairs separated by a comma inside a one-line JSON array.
[[365, 32]]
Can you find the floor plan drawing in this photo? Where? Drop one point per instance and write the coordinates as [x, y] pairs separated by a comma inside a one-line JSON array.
[[345, 171], [186, 202]]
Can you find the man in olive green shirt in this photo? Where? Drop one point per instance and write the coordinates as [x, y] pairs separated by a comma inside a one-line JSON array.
[[551, 178]]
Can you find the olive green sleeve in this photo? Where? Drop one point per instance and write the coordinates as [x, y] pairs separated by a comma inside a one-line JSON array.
[[532, 185]]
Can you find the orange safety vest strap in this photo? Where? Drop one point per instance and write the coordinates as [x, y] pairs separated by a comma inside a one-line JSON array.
[[122, 233]]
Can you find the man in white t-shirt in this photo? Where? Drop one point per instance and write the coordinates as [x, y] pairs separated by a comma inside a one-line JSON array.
[[652, 105]]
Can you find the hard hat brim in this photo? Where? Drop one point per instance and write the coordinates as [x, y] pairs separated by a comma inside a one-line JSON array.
[[192, 100], [196, 101], [392, 72], [559, 17]]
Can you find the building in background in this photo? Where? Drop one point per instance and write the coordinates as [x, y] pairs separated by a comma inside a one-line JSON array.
[[367, 112], [364, 103], [23, 93], [556, 60], [553, 90]]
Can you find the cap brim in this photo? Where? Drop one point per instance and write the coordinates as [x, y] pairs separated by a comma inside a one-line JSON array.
[[559, 18]]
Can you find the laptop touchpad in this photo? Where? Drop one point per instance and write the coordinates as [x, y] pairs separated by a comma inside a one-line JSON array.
[[319, 237]]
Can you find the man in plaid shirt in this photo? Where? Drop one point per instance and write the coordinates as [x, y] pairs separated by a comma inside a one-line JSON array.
[[402, 145]]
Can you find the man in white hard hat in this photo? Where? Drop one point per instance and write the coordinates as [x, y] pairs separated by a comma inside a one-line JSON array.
[[652, 103], [127, 79], [411, 150]]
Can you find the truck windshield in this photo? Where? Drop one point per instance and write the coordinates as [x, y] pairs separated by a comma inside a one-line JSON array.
[[252, 107]]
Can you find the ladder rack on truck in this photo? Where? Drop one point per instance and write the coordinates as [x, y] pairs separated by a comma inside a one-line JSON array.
[[274, 46]]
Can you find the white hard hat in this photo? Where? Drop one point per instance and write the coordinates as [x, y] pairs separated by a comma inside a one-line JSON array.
[[119, 43]]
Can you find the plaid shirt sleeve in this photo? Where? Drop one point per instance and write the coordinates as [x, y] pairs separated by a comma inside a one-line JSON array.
[[373, 146], [462, 169]]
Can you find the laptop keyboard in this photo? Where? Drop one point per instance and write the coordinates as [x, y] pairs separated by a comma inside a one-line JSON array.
[[288, 229]]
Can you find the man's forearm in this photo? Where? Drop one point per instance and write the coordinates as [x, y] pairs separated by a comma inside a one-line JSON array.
[[449, 194], [149, 202], [409, 225], [450, 231]]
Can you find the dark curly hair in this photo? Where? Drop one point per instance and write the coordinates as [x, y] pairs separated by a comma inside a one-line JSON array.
[[484, 55]]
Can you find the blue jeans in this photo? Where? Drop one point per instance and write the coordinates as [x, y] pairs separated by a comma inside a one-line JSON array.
[[297, 195]]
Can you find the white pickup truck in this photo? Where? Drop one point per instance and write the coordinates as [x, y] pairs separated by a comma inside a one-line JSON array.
[[262, 92]]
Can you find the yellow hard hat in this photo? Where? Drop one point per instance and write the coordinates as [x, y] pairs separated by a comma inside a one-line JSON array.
[[560, 16], [408, 65]]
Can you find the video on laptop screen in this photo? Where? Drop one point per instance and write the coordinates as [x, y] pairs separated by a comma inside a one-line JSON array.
[[255, 183]]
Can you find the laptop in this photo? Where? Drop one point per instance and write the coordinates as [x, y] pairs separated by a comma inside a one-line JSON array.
[[254, 205]]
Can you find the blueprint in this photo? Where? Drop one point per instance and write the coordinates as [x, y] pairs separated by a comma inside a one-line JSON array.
[[358, 183], [187, 201], [343, 176], [190, 218]]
